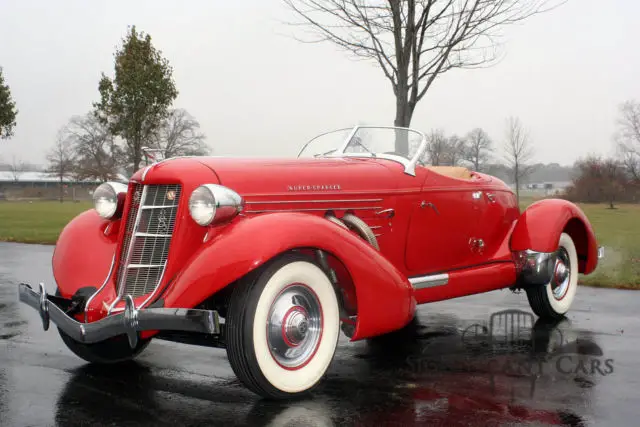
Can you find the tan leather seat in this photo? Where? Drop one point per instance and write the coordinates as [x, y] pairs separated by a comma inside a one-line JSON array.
[[458, 172]]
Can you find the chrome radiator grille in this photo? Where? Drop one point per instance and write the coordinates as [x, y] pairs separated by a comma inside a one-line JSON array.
[[148, 233]]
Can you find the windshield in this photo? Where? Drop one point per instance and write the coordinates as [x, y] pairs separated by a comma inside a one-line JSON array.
[[403, 145], [368, 141]]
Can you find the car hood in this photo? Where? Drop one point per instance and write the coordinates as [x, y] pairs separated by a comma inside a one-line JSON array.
[[255, 177]]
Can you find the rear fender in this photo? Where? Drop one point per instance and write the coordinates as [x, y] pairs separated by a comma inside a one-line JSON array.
[[540, 225], [384, 296]]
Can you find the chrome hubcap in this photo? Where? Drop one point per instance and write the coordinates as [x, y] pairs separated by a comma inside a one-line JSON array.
[[561, 274], [294, 326]]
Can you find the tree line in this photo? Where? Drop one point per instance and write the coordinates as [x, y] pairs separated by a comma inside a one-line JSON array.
[[134, 111], [612, 179], [412, 42]]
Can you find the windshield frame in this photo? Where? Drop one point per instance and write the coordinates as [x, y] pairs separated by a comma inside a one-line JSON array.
[[409, 164]]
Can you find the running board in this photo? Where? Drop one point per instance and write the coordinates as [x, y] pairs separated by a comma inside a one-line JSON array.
[[423, 282]]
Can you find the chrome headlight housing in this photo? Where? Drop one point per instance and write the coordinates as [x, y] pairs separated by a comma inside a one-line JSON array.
[[212, 203], [108, 199]]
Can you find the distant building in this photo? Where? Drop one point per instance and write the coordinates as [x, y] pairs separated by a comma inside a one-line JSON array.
[[42, 185]]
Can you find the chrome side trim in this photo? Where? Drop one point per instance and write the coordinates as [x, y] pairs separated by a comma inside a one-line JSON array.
[[269, 202], [130, 322], [113, 263], [344, 208], [535, 268], [430, 281]]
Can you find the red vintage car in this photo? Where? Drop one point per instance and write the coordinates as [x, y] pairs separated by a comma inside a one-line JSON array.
[[273, 258]]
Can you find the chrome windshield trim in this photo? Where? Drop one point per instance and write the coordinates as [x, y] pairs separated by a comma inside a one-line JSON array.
[[323, 134], [86, 305], [409, 164]]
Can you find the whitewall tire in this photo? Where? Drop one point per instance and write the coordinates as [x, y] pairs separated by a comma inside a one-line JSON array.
[[553, 300], [282, 328]]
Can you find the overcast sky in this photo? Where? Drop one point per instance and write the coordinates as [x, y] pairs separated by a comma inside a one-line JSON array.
[[258, 92]]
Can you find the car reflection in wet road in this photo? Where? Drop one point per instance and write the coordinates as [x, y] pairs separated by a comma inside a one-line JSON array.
[[482, 360]]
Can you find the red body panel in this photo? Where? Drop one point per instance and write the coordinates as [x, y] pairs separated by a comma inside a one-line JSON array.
[[541, 224], [247, 244], [82, 256], [435, 221], [473, 280]]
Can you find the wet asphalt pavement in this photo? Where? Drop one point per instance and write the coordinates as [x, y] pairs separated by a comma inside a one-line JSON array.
[[480, 360]]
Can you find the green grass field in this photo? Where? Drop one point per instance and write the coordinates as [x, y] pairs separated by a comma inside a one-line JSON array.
[[37, 222], [618, 230]]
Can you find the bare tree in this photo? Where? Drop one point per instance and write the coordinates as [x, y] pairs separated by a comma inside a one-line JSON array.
[[95, 151], [179, 135], [61, 159], [455, 150], [478, 145], [628, 138], [518, 151], [17, 167], [437, 148], [414, 41]]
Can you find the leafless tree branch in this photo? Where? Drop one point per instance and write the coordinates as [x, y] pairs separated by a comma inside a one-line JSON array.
[[518, 152], [628, 138], [179, 135], [415, 41]]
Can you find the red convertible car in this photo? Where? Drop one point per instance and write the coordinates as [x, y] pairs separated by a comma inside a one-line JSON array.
[[272, 259]]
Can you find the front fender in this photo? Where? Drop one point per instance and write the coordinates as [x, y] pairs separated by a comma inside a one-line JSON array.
[[83, 253], [540, 225], [384, 295]]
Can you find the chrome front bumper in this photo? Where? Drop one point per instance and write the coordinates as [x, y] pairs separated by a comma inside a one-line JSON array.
[[129, 322]]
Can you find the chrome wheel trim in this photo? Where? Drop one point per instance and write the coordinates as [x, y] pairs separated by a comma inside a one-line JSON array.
[[294, 326], [561, 274]]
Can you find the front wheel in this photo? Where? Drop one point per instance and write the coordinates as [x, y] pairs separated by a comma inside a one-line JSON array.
[[283, 328], [554, 299], [113, 350]]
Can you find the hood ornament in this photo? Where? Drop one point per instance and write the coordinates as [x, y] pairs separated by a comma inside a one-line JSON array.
[[154, 155]]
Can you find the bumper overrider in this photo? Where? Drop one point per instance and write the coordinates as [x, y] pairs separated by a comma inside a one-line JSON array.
[[128, 323], [538, 268]]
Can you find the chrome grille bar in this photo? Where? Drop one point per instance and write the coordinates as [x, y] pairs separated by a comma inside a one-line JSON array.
[[146, 244]]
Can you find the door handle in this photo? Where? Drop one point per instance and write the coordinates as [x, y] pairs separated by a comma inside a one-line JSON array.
[[425, 204]]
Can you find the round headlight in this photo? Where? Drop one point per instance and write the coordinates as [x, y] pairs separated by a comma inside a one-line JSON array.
[[202, 206], [107, 200], [214, 203]]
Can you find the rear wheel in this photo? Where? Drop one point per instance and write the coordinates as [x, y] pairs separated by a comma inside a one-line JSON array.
[[283, 328], [553, 300]]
